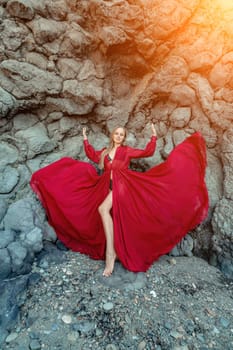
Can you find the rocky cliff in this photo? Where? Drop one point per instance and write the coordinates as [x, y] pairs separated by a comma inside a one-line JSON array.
[[65, 64]]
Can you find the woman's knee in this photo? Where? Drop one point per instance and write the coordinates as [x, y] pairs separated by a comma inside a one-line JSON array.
[[105, 206], [102, 209]]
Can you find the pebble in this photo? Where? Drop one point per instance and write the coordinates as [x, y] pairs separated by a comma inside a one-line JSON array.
[[67, 319], [142, 345], [108, 307], [224, 322], [72, 337], [11, 337], [84, 327], [176, 335], [111, 347], [172, 261], [93, 315], [34, 345]]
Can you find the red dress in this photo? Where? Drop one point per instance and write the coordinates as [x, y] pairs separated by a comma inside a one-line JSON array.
[[151, 211]]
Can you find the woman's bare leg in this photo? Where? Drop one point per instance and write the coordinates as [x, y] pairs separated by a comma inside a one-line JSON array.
[[104, 210]]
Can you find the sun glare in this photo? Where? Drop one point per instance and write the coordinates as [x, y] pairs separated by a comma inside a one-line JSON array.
[[225, 4]]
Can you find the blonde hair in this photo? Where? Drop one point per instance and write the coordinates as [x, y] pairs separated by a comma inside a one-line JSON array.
[[110, 146]]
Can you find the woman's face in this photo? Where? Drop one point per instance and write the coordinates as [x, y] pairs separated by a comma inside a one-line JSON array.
[[118, 136]]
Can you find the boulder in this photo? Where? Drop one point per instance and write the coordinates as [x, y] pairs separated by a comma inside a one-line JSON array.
[[5, 263], [46, 30], [36, 139], [8, 153], [22, 9], [180, 117], [20, 216], [7, 103], [24, 80], [9, 178]]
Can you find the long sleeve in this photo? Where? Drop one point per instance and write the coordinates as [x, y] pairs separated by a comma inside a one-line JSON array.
[[91, 153], [148, 151]]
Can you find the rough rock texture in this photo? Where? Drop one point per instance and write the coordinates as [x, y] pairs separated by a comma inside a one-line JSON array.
[[181, 303], [65, 64]]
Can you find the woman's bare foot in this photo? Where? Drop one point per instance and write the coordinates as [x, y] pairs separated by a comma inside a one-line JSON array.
[[109, 264]]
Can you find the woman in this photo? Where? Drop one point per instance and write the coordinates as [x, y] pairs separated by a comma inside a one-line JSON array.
[[131, 215], [117, 139]]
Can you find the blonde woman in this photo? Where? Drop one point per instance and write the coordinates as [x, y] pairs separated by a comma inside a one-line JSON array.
[[117, 139]]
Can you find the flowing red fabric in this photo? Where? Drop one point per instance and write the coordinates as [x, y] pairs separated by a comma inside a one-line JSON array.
[[152, 211]]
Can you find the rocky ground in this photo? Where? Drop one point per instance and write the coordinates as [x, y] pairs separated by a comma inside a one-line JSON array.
[[180, 303]]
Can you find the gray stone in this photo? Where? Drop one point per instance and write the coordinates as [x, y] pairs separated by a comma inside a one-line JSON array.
[[24, 121], [84, 93], [111, 347], [185, 247], [32, 240], [180, 117], [20, 216], [21, 8], [183, 95], [168, 145], [162, 110], [222, 218], [214, 179], [18, 254], [9, 178], [46, 30], [112, 35], [88, 71], [221, 74], [37, 59], [224, 322], [13, 35], [225, 94], [34, 345], [3, 335], [179, 136], [175, 67], [226, 266], [54, 116], [141, 345], [6, 237], [108, 307], [69, 106], [58, 10], [50, 158], [223, 109], [36, 139], [25, 80], [3, 208], [11, 291], [72, 146], [8, 153], [49, 233], [123, 279], [5, 263], [11, 337], [84, 327], [69, 67], [77, 40], [67, 125], [7, 103], [203, 90]]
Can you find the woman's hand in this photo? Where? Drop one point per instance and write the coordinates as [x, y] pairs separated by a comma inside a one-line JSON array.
[[154, 133], [85, 133]]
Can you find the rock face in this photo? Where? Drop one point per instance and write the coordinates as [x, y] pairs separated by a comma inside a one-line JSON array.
[[65, 64]]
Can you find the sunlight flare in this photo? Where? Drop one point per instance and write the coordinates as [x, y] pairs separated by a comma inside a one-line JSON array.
[[225, 4]]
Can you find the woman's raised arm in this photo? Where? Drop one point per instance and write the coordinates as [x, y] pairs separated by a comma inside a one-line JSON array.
[[91, 153], [149, 150]]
